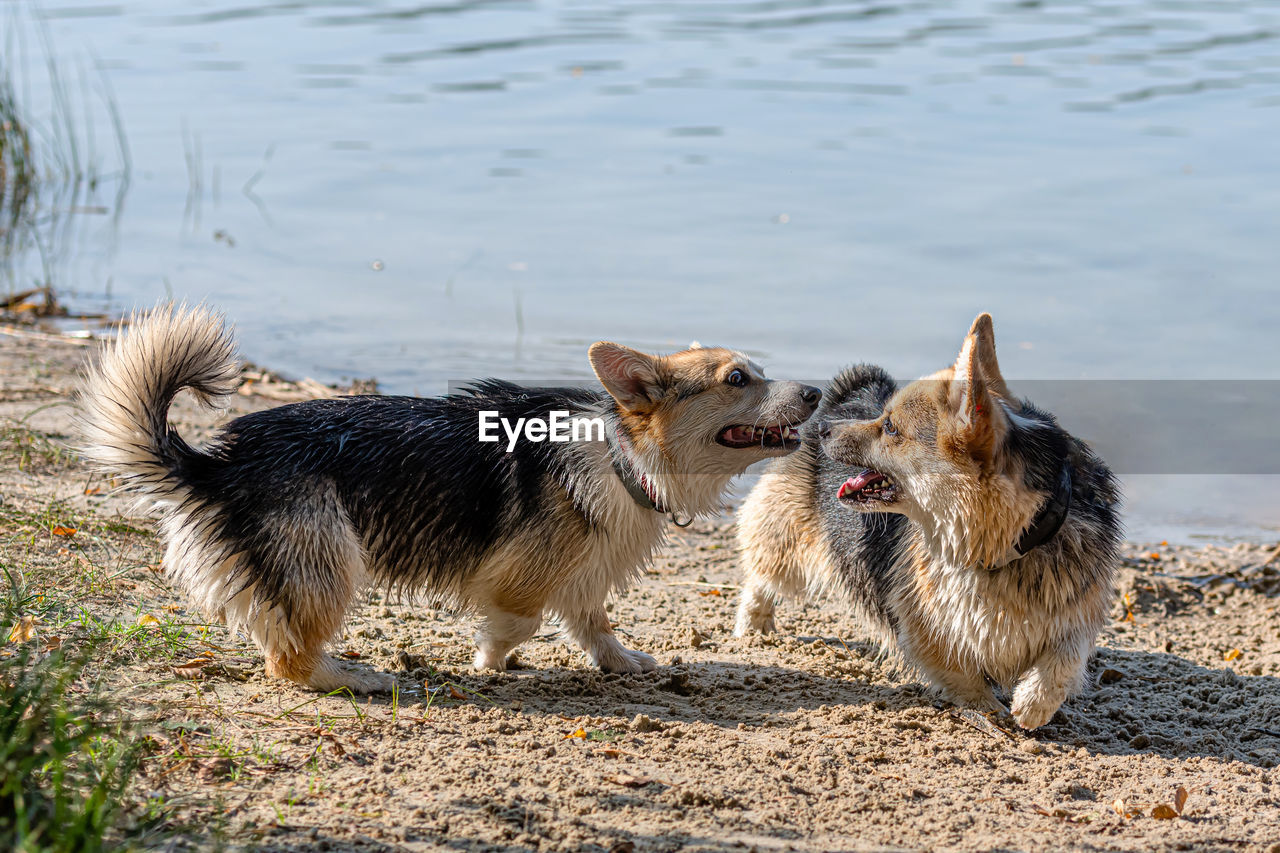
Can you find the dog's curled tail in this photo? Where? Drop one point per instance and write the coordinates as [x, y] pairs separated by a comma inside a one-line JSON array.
[[124, 398]]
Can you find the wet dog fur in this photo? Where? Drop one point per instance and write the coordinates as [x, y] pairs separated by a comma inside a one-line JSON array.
[[909, 501], [278, 523]]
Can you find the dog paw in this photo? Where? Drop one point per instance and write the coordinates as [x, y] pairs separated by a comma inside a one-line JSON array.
[[492, 659], [754, 623], [621, 659], [331, 676], [373, 682], [1032, 708], [755, 611]]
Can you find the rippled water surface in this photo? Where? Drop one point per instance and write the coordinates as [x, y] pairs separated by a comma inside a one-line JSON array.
[[433, 191]]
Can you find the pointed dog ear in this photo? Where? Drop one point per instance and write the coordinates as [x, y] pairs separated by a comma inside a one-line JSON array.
[[630, 376], [984, 334], [976, 387]]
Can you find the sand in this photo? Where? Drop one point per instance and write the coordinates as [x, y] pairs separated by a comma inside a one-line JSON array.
[[808, 739]]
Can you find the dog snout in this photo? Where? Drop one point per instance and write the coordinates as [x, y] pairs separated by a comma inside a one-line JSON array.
[[841, 440], [801, 399]]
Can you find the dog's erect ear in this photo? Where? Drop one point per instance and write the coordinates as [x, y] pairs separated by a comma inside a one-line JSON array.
[[630, 376], [975, 385], [984, 336]]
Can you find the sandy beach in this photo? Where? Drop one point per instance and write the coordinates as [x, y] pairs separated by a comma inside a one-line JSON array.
[[808, 740]]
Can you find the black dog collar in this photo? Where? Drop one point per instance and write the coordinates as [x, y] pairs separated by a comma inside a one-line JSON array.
[[1048, 520], [637, 485]]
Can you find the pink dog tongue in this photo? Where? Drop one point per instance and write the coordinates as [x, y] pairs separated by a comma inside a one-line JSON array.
[[854, 484]]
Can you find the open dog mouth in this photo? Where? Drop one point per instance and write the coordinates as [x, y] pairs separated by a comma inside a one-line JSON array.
[[868, 486], [753, 436]]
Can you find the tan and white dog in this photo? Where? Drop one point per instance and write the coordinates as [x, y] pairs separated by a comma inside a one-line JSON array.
[[966, 526], [280, 521]]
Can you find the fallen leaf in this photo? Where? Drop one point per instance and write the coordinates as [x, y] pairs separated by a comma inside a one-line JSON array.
[[148, 619], [92, 490], [59, 530], [1110, 676], [52, 643], [705, 592], [24, 629], [1232, 655], [350, 654], [194, 668], [578, 733], [626, 780], [456, 693], [1180, 799], [1164, 811]]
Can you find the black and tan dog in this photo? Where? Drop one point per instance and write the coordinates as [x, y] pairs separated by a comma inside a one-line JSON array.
[[965, 525], [288, 513]]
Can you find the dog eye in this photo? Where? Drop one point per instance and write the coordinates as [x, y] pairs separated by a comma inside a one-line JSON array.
[[738, 379], [889, 428]]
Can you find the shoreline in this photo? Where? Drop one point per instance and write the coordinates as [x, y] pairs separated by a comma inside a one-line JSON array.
[[807, 740], [1152, 520]]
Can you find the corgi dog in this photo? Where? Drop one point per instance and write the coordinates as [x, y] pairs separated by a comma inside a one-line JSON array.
[[968, 529], [278, 523]]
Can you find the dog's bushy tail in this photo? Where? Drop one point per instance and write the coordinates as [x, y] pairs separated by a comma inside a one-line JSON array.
[[124, 398]]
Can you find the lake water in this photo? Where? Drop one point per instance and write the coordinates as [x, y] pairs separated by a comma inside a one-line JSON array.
[[432, 191]]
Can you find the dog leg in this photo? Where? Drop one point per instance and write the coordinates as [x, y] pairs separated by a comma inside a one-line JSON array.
[[764, 584], [591, 631], [501, 631], [1056, 675], [773, 527], [962, 685], [295, 650], [293, 637], [755, 608]]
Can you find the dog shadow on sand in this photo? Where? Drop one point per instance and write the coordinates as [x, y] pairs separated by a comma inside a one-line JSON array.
[[1135, 702], [1152, 702]]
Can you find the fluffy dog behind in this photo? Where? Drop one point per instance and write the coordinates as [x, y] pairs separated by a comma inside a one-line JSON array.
[[966, 526], [288, 513]]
